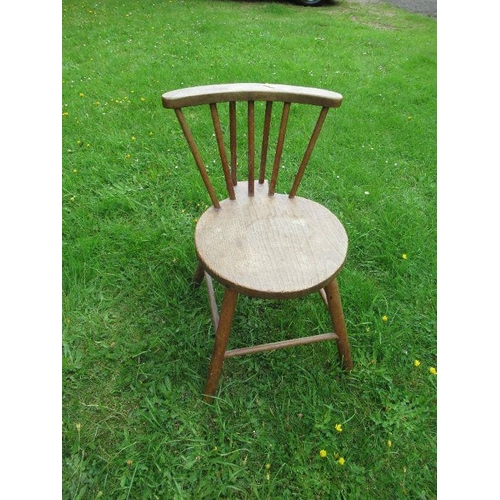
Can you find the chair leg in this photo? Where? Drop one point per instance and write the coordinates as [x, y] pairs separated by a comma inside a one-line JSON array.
[[221, 339], [198, 275], [337, 315]]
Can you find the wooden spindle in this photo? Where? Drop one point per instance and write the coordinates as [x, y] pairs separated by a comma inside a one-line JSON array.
[[279, 147], [309, 150], [251, 148], [265, 141], [232, 141], [222, 150], [197, 157]]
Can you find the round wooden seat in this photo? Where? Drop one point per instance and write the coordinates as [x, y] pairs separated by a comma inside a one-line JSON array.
[[270, 246]]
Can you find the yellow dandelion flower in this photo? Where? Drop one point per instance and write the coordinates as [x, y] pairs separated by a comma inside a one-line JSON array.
[[268, 466], [341, 461], [132, 138], [75, 170], [384, 318], [81, 94], [389, 443], [338, 427], [143, 99], [416, 363], [404, 256], [432, 370], [65, 113], [323, 453]]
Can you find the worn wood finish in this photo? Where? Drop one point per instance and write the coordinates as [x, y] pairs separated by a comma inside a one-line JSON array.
[[259, 242], [265, 141], [323, 296], [212, 301], [197, 157], [337, 316], [249, 92], [207, 94], [221, 339], [251, 148], [309, 150], [222, 150], [270, 246], [232, 138], [280, 345], [279, 147]]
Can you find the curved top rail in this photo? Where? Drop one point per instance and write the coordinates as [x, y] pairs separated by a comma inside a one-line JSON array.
[[209, 94]]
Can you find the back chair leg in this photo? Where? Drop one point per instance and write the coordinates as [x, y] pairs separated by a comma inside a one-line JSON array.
[[337, 315], [221, 339], [198, 275]]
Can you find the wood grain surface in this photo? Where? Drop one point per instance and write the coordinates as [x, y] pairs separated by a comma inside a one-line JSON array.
[[270, 246]]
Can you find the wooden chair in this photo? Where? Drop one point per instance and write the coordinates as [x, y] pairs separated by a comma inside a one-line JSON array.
[[255, 241]]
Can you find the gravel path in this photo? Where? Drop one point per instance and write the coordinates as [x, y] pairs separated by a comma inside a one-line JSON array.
[[426, 7]]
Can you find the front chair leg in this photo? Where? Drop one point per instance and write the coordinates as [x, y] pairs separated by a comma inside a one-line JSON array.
[[221, 339], [337, 315]]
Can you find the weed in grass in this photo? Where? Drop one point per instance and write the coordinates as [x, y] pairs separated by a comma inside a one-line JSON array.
[[137, 337]]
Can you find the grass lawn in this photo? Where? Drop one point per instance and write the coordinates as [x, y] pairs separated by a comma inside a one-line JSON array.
[[137, 337]]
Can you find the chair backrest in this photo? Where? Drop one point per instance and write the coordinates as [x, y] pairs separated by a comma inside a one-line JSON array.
[[214, 95]]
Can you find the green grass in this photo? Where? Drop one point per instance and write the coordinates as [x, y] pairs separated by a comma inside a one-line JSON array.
[[137, 337]]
